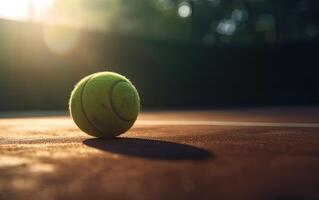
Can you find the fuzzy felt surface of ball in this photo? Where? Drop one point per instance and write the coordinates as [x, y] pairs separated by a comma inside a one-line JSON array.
[[104, 104]]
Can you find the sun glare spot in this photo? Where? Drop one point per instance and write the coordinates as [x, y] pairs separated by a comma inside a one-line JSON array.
[[60, 40], [40, 8], [23, 10], [42, 4], [14, 9]]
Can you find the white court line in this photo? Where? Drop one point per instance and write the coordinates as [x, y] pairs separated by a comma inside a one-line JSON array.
[[226, 123]]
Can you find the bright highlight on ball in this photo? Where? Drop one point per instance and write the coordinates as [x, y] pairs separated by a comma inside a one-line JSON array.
[[104, 104]]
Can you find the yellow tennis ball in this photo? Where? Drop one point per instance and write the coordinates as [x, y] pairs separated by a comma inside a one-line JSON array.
[[104, 104]]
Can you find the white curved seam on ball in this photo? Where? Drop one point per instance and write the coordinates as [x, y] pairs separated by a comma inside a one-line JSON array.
[[111, 100], [83, 110]]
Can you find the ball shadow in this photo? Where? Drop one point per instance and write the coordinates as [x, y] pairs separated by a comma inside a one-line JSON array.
[[151, 149]]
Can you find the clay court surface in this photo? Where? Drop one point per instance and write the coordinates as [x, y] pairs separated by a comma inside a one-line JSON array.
[[264, 153]]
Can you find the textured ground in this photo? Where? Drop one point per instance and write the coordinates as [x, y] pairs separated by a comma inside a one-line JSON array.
[[166, 155]]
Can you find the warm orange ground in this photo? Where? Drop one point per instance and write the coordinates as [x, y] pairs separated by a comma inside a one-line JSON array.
[[49, 158]]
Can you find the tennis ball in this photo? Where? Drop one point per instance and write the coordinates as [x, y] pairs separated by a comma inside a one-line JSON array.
[[104, 104]]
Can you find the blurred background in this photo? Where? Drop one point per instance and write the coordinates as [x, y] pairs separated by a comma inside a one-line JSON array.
[[178, 53]]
